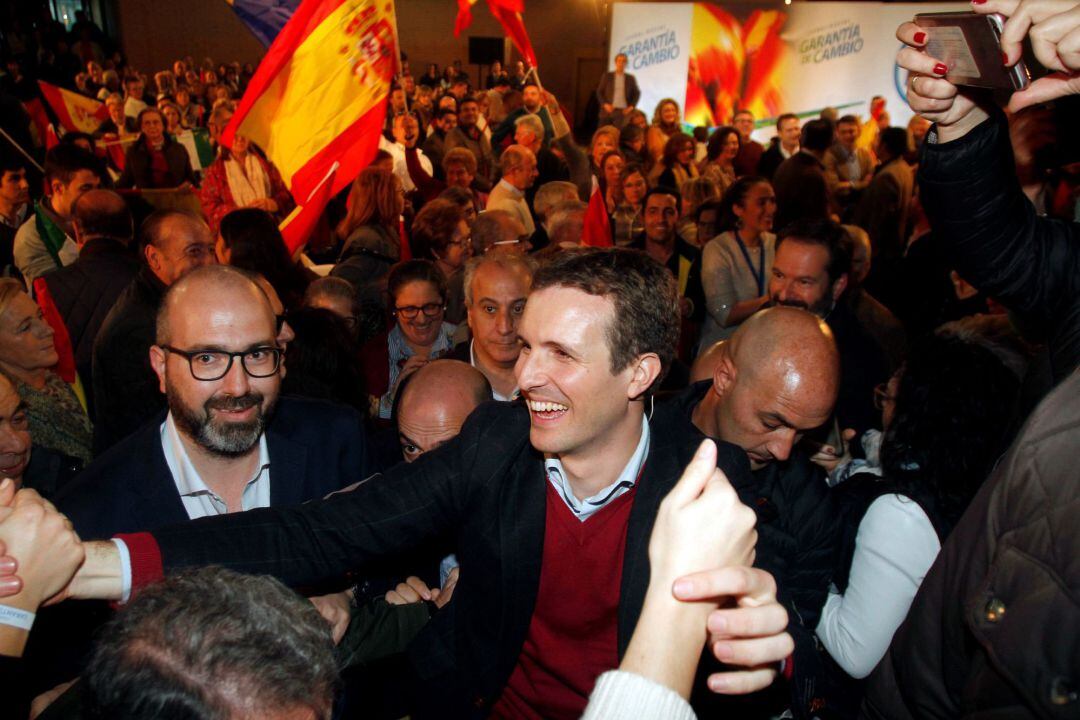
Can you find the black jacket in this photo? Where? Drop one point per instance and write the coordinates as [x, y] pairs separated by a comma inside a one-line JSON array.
[[798, 541], [863, 366], [315, 446], [126, 392], [990, 231], [487, 487], [85, 291], [801, 190]]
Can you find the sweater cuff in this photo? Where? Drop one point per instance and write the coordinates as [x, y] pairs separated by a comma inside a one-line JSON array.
[[621, 694], [145, 558]]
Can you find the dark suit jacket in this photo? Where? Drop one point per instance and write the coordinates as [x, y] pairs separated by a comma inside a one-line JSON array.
[[126, 392], [137, 171], [801, 190], [316, 447], [84, 292], [487, 487], [883, 209], [605, 92]]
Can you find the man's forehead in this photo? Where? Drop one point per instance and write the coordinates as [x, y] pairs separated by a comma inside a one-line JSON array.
[[492, 278], [204, 314], [807, 256], [565, 312], [660, 200]]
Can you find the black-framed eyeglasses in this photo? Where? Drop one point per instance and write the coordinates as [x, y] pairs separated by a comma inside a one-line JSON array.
[[411, 311], [208, 365]]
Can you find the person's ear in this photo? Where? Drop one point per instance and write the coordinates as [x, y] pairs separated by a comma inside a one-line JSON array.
[[153, 257], [157, 362], [645, 371], [839, 286], [724, 375]]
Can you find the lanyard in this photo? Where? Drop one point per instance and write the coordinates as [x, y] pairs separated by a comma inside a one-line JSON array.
[[759, 272]]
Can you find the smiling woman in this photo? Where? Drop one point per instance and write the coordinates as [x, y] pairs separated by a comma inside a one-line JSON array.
[[55, 419]]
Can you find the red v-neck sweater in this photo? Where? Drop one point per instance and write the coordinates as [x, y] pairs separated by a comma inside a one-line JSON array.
[[573, 634]]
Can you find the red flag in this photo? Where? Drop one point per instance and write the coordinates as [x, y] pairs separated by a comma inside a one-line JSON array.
[[597, 230], [464, 16], [406, 248], [38, 117], [509, 15], [296, 229], [51, 138]]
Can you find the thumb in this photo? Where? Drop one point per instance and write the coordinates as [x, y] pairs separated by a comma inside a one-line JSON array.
[[696, 474], [1043, 90], [849, 434], [7, 492]]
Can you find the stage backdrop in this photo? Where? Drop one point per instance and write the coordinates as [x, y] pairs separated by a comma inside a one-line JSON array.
[[713, 59]]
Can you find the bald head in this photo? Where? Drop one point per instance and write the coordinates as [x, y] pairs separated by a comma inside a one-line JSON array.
[[211, 292], [435, 402], [493, 227], [177, 242], [101, 213], [774, 379], [789, 346]]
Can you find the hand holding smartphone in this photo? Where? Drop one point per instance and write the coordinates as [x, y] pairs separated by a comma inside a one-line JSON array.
[[970, 46]]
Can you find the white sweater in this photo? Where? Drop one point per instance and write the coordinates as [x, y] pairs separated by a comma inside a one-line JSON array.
[[620, 695], [894, 548]]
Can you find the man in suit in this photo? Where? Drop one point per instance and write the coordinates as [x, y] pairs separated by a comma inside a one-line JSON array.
[[750, 150], [552, 501], [618, 94], [125, 389], [883, 212], [802, 192], [81, 295], [848, 168], [226, 432], [783, 146]]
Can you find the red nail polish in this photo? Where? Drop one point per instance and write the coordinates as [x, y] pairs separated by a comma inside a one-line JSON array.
[[1004, 58], [940, 69], [977, 2], [920, 38]]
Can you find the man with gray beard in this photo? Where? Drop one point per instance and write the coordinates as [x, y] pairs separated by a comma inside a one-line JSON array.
[[228, 442]]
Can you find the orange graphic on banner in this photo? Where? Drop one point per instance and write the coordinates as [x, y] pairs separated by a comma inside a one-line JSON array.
[[734, 65]]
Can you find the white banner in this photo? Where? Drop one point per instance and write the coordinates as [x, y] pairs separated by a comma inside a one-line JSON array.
[[800, 58], [656, 40]]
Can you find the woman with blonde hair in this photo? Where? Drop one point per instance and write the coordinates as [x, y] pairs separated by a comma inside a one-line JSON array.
[[665, 124], [56, 418]]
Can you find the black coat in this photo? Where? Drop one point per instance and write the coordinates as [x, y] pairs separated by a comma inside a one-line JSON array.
[[315, 446], [995, 240], [126, 392], [801, 191], [487, 487], [84, 292]]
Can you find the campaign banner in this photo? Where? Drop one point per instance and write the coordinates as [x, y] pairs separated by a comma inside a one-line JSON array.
[[714, 59]]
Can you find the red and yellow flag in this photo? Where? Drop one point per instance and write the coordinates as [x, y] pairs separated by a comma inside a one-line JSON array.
[[319, 96], [76, 113]]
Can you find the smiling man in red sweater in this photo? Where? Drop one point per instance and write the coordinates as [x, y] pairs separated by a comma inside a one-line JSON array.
[[552, 501]]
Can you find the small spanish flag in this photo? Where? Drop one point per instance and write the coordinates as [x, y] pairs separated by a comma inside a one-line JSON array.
[[76, 113]]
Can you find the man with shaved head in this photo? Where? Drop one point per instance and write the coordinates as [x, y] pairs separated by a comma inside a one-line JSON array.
[[773, 380], [80, 296], [434, 402], [125, 391]]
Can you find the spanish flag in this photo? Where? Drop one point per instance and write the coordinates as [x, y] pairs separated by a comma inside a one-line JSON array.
[[319, 95], [76, 113], [510, 14]]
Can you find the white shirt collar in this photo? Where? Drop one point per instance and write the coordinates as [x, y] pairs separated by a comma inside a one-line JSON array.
[[494, 393], [584, 509], [199, 500], [506, 185]]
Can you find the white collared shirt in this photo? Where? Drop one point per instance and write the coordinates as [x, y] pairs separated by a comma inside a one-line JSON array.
[[199, 500], [494, 393], [785, 154], [584, 509]]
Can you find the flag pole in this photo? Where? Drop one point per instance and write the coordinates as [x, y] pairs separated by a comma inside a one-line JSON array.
[[19, 147], [397, 48]]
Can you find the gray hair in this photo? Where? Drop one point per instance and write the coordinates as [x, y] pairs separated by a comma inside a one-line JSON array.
[[566, 221], [551, 194], [532, 123], [213, 643], [506, 261]]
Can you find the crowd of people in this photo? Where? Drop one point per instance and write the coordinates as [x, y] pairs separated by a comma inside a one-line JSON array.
[[800, 441]]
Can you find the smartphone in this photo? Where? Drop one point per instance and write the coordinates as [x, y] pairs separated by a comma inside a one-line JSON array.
[[828, 435], [970, 46]]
